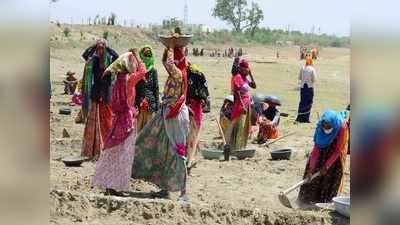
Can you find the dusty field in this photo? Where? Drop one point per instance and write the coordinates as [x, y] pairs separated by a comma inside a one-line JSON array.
[[235, 192]]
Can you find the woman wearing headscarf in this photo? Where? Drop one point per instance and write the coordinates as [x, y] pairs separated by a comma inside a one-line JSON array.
[[114, 167], [307, 78], [161, 147], [86, 82], [269, 120], [239, 129], [328, 156], [147, 97], [97, 96], [197, 96]]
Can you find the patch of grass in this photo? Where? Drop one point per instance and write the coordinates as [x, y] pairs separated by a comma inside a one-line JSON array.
[[105, 35], [66, 31]]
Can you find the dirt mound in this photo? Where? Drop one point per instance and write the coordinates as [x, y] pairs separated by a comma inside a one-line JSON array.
[[98, 209]]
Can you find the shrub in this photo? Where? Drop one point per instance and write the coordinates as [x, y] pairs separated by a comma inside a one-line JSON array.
[[66, 32], [105, 35]]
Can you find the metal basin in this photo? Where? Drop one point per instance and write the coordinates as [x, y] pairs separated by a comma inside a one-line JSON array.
[[342, 205], [282, 154], [170, 41], [74, 161], [242, 154], [212, 153], [65, 111]]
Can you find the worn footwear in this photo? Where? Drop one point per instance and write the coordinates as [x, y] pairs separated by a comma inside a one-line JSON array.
[[183, 199], [112, 192], [161, 194], [260, 142]]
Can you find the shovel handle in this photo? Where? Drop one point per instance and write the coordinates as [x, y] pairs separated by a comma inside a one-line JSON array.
[[221, 132], [278, 139], [294, 187]]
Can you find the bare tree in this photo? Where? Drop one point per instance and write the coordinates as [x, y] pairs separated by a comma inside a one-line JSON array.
[[255, 16]]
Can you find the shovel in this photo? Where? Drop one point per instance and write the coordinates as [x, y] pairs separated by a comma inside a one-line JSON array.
[[283, 195], [227, 148]]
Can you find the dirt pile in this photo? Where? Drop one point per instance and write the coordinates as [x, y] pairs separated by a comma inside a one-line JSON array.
[[99, 209]]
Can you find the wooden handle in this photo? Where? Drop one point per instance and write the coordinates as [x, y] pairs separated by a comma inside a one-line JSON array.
[[294, 187], [278, 139], [221, 132]]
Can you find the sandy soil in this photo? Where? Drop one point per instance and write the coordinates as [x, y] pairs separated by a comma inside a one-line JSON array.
[[235, 192]]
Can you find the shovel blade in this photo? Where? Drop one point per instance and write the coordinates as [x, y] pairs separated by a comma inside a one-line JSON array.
[[285, 201]]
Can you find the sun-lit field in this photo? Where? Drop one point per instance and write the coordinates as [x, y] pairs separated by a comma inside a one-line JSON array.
[[235, 192]]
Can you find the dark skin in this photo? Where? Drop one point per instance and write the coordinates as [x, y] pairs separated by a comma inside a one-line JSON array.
[[323, 171], [147, 52], [247, 72]]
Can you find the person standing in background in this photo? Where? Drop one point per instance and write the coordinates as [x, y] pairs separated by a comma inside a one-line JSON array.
[[307, 77]]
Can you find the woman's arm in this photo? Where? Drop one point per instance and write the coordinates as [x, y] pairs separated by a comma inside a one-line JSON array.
[[88, 52], [252, 84], [113, 54], [314, 158], [169, 64], [156, 89], [275, 121], [313, 76]]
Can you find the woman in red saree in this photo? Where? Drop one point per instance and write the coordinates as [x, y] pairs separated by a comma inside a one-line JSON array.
[[97, 96]]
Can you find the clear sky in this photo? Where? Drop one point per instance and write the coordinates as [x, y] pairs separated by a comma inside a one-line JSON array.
[[332, 16]]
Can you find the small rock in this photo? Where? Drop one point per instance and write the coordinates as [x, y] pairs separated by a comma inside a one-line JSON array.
[[66, 134], [147, 215]]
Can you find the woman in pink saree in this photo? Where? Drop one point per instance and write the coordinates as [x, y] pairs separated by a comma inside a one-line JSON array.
[[113, 169], [239, 130]]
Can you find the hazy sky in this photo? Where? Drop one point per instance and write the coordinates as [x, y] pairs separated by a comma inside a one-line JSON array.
[[332, 16]]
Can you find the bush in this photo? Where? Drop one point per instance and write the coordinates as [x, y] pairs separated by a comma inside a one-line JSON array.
[[66, 32], [105, 35]]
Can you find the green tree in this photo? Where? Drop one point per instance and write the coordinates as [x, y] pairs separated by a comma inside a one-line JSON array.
[[255, 16], [232, 11]]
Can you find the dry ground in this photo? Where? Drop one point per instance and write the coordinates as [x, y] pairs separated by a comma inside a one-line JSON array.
[[235, 192]]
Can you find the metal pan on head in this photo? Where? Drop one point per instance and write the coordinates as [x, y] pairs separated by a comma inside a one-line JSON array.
[[175, 40]]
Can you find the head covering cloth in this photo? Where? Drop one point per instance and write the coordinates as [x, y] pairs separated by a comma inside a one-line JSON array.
[[335, 120], [309, 61], [147, 60]]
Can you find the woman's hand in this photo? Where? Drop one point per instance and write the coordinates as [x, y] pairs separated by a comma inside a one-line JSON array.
[[106, 73], [308, 176], [323, 171], [253, 85]]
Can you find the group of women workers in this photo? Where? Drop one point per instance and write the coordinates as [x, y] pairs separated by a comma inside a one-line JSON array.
[[331, 136], [127, 129], [135, 136]]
